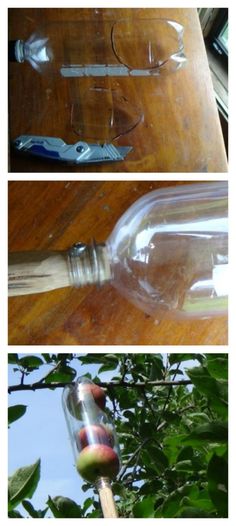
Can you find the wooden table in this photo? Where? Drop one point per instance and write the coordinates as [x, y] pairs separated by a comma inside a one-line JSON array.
[[180, 131], [54, 215]]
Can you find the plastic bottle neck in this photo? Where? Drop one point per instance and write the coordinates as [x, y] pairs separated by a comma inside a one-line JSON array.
[[88, 264]]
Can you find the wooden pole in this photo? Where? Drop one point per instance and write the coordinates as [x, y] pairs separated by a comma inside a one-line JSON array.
[[33, 272], [106, 498]]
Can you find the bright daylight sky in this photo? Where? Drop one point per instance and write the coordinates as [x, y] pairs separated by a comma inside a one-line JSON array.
[[42, 432]]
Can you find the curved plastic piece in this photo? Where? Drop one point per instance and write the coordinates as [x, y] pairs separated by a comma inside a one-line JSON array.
[[119, 114], [93, 437], [149, 44], [169, 252]]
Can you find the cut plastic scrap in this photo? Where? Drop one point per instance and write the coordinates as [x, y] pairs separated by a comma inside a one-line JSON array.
[[94, 70], [179, 59]]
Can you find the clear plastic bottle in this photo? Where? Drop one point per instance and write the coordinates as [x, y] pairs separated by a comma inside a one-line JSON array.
[[168, 255], [169, 252], [93, 438], [136, 47]]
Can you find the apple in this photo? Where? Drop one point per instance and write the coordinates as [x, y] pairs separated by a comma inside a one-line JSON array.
[[94, 434], [97, 392], [78, 395], [97, 460]]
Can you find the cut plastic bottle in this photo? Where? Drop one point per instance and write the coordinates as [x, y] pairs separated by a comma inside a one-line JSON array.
[[126, 47]]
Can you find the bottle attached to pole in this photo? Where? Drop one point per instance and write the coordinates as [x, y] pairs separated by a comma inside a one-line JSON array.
[[167, 254], [93, 438]]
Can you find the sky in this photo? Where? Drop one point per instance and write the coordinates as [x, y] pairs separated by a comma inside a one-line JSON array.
[[42, 432]]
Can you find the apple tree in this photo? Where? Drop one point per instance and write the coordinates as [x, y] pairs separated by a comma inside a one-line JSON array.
[[171, 420]]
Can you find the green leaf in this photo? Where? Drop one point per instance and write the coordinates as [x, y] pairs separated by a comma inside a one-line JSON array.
[[64, 508], [30, 362], [199, 416], [186, 453], [107, 367], [129, 415], [172, 502], [127, 398], [217, 365], [63, 373], [119, 489], [184, 465], [36, 514], [56, 513], [154, 459], [87, 503], [145, 508], [176, 371], [178, 357], [171, 417], [23, 483], [110, 362], [96, 358], [12, 358], [15, 412], [203, 381], [217, 474], [213, 432], [15, 514], [156, 369], [189, 512], [95, 514], [215, 391], [203, 502]]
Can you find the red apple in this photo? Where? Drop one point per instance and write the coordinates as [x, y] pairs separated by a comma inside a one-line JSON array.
[[79, 395], [98, 460], [94, 434], [96, 391]]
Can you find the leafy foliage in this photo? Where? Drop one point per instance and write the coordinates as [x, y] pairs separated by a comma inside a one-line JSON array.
[[15, 412], [23, 484], [173, 438]]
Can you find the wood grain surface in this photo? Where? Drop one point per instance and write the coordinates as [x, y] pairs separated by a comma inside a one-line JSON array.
[[52, 215], [180, 129]]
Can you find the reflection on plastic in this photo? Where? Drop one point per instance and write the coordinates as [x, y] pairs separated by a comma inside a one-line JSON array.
[[129, 47], [169, 252], [119, 115]]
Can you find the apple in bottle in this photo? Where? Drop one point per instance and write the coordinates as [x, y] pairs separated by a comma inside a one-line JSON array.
[[94, 434], [86, 393], [97, 460]]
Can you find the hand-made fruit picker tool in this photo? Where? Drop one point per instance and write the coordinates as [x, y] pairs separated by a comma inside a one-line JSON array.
[[93, 439]]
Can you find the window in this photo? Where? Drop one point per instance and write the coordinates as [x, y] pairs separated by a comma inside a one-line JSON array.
[[218, 36]]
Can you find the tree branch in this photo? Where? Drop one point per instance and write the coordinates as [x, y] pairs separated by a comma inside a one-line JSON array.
[[137, 451], [57, 385]]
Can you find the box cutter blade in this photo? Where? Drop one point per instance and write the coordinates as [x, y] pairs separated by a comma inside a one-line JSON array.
[[79, 153]]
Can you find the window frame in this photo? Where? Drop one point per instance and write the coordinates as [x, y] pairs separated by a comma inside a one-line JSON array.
[[213, 39]]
